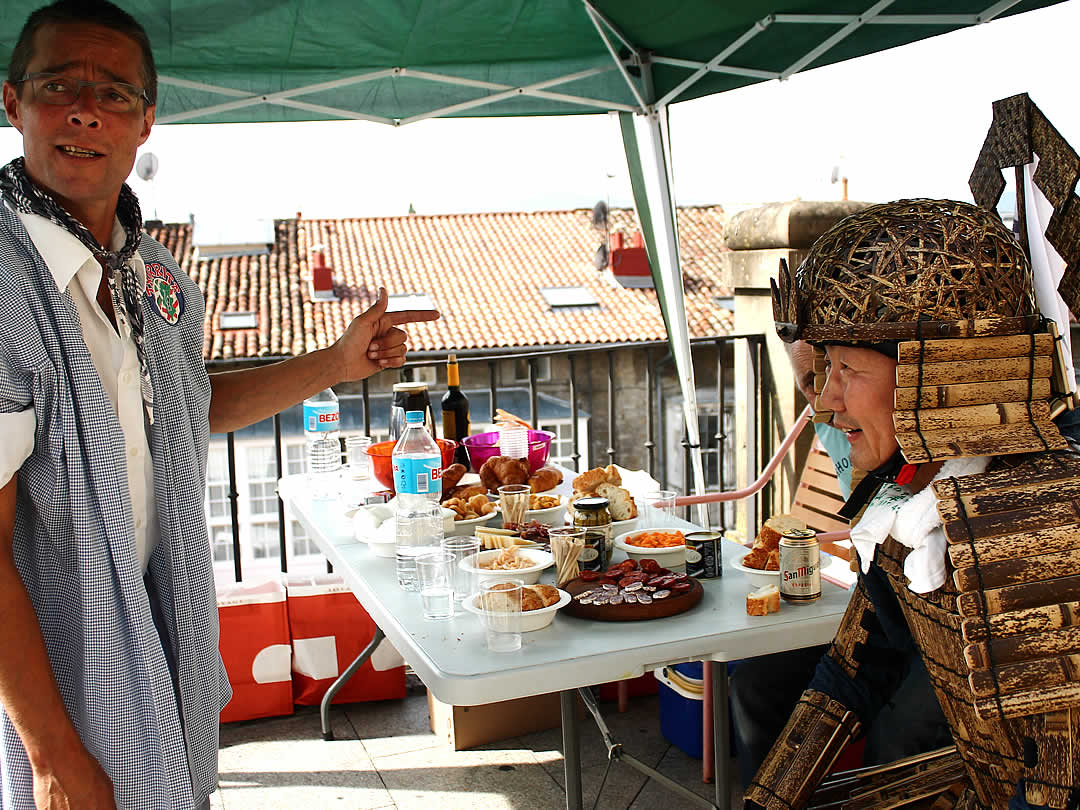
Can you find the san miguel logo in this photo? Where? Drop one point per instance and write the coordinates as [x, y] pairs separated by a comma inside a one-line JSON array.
[[163, 290]]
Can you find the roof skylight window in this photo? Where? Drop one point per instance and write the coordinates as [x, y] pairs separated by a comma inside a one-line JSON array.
[[564, 297]]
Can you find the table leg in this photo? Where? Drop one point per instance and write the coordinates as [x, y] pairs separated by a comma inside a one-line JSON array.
[[571, 749], [343, 678], [721, 737]]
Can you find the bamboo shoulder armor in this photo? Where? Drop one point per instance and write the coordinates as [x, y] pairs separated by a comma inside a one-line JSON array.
[[1014, 545]]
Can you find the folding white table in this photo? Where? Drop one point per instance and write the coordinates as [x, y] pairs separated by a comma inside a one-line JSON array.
[[452, 659]]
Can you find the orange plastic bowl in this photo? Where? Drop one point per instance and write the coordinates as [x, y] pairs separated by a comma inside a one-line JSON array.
[[382, 462]]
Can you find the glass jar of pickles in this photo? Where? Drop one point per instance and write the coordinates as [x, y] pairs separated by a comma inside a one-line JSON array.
[[592, 515]]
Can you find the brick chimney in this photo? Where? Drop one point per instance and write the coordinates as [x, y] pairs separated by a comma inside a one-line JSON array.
[[630, 265], [322, 278]]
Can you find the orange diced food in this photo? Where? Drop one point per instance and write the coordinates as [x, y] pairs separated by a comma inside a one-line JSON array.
[[657, 540]]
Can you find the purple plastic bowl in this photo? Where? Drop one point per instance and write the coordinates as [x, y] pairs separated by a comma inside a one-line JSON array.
[[483, 446]]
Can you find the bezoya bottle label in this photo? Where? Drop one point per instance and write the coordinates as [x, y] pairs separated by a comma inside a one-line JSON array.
[[417, 476], [321, 417]]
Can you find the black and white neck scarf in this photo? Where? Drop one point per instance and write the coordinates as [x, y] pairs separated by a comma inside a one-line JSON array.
[[18, 189]]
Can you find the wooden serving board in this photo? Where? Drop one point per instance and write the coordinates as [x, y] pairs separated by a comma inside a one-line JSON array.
[[676, 603]]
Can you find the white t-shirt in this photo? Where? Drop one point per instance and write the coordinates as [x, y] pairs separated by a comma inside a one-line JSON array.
[[117, 363]]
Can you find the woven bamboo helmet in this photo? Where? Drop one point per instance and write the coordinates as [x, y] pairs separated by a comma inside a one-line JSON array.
[[906, 270], [915, 272]]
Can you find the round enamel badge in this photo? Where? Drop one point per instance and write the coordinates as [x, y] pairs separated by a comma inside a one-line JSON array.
[[163, 290]]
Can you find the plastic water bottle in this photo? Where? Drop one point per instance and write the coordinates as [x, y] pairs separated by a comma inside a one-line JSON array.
[[417, 463], [321, 420]]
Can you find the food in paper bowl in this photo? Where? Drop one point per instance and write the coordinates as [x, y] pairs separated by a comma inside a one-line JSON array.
[[757, 576], [521, 563], [539, 604], [468, 509], [666, 547]]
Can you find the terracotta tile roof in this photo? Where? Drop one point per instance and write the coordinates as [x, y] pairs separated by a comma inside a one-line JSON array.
[[483, 272]]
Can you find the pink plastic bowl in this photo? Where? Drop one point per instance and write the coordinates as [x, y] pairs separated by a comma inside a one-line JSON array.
[[483, 446]]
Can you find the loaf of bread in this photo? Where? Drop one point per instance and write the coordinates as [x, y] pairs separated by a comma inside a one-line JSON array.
[[588, 481], [769, 536], [763, 601], [620, 504]]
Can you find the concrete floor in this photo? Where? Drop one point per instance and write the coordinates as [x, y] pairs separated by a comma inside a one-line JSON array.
[[386, 756]]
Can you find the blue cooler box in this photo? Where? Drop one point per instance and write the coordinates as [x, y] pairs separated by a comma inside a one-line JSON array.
[[681, 698]]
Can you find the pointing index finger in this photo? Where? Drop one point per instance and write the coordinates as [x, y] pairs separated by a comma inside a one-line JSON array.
[[412, 316]]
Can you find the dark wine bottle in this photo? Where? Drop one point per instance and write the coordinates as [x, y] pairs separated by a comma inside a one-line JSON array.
[[455, 411]]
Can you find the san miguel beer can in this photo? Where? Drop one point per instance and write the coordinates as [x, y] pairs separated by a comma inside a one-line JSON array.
[[800, 569]]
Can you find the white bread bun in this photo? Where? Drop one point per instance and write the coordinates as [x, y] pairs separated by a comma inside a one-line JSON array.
[[769, 536], [763, 601]]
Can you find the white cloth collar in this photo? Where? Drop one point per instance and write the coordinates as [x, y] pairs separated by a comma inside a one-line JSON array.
[[911, 519], [65, 255]]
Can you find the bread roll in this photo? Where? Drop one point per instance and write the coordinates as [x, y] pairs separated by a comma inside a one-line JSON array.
[[769, 536], [549, 594], [763, 601], [544, 479]]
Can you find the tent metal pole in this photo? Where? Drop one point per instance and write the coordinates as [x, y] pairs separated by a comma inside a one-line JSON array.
[[756, 29], [596, 19], [838, 37]]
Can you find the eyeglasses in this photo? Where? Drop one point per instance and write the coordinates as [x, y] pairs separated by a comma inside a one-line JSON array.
[[52, 88]]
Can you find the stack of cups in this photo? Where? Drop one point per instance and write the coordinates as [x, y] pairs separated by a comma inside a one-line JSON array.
[[513, 441]]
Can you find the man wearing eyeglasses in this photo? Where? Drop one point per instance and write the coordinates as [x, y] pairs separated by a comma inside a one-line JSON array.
[[110, 679]]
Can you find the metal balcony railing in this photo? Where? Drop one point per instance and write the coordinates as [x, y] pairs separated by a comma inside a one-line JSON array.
[[756, 397]]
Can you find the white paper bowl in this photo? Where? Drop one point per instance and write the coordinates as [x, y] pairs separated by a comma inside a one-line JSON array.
[[530, 619], [620, 527], [758, 576], [381, 547], [552, 516], [465, 528], [530, 575], [673, 557]]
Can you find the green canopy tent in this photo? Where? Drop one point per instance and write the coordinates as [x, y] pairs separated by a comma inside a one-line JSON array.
[[399, 61]]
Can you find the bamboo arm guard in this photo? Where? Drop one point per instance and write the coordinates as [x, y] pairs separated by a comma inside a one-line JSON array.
[[813, 738]]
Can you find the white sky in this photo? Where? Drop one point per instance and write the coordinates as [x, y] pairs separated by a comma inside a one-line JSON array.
[[906, 122]]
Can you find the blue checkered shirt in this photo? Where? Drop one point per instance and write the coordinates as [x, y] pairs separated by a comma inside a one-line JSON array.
[[74, 539]]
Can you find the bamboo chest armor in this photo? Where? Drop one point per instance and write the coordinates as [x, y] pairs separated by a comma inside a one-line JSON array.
[[979, 373]]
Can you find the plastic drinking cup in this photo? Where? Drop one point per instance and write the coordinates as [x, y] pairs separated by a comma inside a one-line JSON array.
[[501, 603], [659, 511], [358, 460], [464, 578], [435, 571], [514, 502]]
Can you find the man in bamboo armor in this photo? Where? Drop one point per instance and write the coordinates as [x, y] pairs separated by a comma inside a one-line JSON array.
[[936, 360]]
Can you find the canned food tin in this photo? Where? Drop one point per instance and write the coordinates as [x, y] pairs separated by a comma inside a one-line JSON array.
[[703, 554], [592, 515], [800, 566]]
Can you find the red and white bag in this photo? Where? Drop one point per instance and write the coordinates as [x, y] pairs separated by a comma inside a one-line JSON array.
[[254, 645], [329, 629]]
